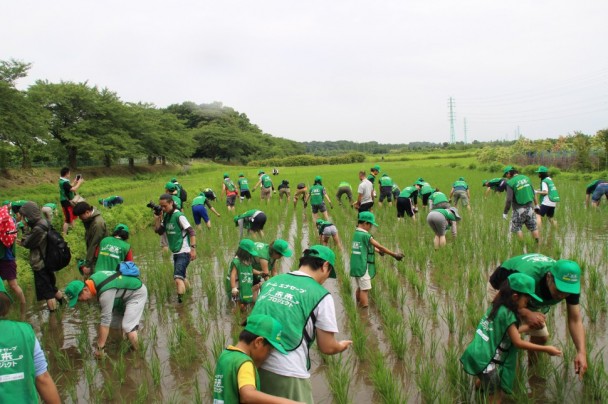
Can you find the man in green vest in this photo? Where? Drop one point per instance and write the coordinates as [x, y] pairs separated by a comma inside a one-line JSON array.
[[266, 186], [460, 192], [594, 192], [405, 203], [67, 191], [23, 366], [520, 195], [555, 281], [253, 220], [243, 185], [181, 240], [299, 302], [236, 375], [550, 197], [386, 189], [122, 300]]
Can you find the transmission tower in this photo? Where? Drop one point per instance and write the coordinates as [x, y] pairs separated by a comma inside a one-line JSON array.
[[452, 118]]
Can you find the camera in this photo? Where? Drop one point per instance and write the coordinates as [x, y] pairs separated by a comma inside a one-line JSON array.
[[156, 208], [78, 177]]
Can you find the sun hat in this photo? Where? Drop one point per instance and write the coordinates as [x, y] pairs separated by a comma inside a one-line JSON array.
[[567, 276], [375, 168], [260, 172], [249, 246], [282, 247], [169, 186], [506, 170], [542, 169], [325, 253], [121, 226], [368, 217], [523, 283], [267, 327], [3, 290], [72, 291], [454, 210]]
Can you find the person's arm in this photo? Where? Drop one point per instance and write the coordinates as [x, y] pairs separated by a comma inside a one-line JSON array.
[[451, 193], [508, 201], [249, 395], [523, 344], [534, 319], [577, 333], [233, 276], [47, 389], [263, 266], [33, 238], [328, 344], [257, 184], [129, 256], [383, 250], [328, 200], [98, 230], [77, 185], [158, 224], [587, 199], [192, 235], [106, 302]]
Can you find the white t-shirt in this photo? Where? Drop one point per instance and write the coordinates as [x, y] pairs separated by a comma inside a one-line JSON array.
[[184, 224], [365, 189], [546, 201], [294, 363]]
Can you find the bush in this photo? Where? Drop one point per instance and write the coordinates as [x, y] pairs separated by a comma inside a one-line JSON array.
[[308, 160], [472, 166]]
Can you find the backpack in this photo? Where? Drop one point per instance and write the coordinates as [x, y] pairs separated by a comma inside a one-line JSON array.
[[128, 268], [58, 254], [183, 194], [8, 228]]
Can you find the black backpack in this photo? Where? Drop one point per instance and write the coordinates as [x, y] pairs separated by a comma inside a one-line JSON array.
[[58, 254], [183, 194]]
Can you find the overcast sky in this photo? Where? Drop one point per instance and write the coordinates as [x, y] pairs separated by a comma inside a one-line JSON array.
[[330, 70]]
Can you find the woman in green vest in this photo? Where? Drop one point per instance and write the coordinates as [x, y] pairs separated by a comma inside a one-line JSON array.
[[114, 249], [492, 355], [122, 300], [23, 367]]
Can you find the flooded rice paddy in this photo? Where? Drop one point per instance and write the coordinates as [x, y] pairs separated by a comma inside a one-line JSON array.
[[423, 313]]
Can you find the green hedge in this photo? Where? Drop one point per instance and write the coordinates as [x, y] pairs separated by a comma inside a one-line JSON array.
[[307, 160]]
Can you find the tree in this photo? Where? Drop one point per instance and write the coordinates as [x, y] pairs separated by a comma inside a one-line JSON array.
[[582, 146], [11, 70], [600, 140]]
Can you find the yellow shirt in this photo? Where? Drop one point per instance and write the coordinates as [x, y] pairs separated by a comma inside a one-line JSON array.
[[246, 376]]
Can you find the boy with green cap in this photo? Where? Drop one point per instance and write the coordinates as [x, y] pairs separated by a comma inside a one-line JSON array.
[[23, 366], [492, 355], [236, 375], [239, 281], [269, 255], [550, 197], [363, 256]]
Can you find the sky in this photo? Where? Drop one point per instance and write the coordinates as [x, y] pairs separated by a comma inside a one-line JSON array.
[[335, 70]]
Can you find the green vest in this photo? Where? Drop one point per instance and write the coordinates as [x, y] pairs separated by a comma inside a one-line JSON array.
[[395, 188], [446, 213], [494, 182], [266, 181], [316, 194], [438, 197], [460, 185], [112, 251], [322, 224], [553, 195], [244, 274], [62, 195], [522, 189], [229, 185], [243, 184], [426, 189], [344, 184], [246, 216], [121, 282], [178, 201], [290, 299], [371, 178], [492, 344], [50, 205], [226, 386], [407, 192], [17, 369], [173, 230], [363, 255], [386, 181], [199, 200]]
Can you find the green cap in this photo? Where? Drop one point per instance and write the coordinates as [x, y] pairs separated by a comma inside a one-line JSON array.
[[241, 175], [523, 283], [376, 168], [226, 175], [3, 290], [542, 169], [282, 247], [72, 291], [420, 179], [18, 204], [484, 182], [506, 170], [460, 178], [267, 327], [567, 276], [260, 172], [169, 186], [325, 253], [4, 203], [173, 179], [100, 200], [385, 175], [121, 226], [249, 246], [318, 178], [368, 217]]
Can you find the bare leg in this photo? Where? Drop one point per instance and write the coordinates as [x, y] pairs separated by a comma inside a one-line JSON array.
[[20, 296]]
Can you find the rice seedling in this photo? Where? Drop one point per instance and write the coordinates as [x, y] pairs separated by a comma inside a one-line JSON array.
[[142, 393], [427, 382], [387, 388], [449, 317], [339, 371], [155, 370], [119, 369]]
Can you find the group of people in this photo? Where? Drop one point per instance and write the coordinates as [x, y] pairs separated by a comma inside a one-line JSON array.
[[289, 311]]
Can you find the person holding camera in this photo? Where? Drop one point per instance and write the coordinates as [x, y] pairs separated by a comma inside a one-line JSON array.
[[170, 221], [94, 231], [67, 192]]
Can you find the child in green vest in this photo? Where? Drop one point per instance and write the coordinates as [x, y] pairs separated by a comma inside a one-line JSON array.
[[241, 273], [236, 375], [550, 197], [363, 257], [492, 355]]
